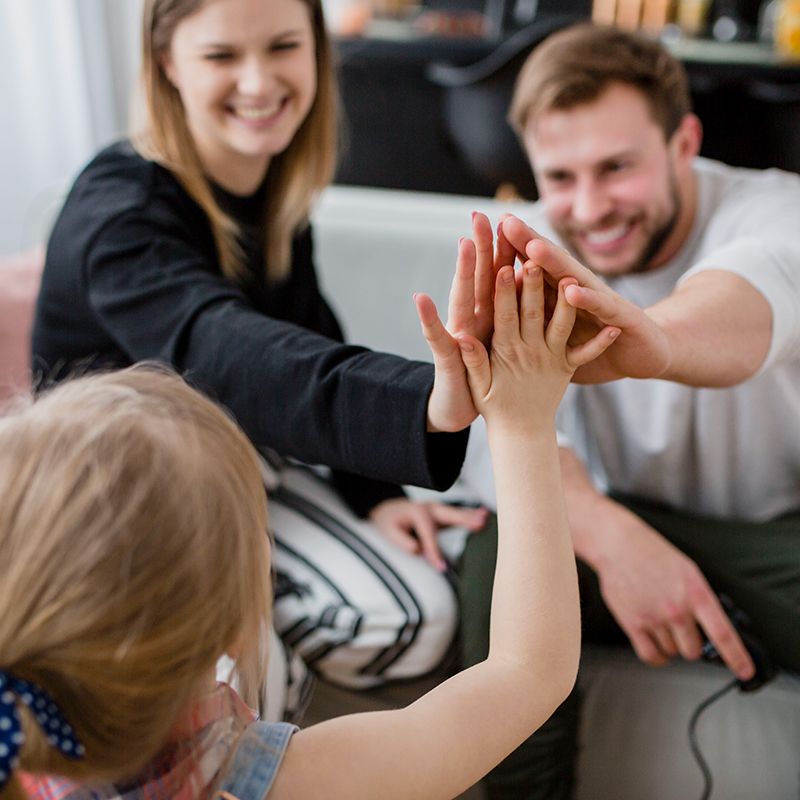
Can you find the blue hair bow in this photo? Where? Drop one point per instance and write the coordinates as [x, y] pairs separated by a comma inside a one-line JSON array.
[[46, 712]]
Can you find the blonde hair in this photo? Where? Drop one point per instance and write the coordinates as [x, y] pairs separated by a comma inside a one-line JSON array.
[[576, 65], [134, 551], [295, 176]]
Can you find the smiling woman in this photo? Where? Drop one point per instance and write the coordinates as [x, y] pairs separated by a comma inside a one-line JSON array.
[[246, 76], [191, 245]]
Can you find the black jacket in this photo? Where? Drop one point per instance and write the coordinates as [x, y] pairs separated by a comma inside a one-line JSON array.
[[132, 274]]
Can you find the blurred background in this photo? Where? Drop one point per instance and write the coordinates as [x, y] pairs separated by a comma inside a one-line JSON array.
[[425, 86]]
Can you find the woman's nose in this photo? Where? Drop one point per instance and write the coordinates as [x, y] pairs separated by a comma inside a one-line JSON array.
[[254, 77]]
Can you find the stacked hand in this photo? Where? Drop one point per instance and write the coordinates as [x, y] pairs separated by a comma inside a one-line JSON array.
[[642, 349], [532, 358]]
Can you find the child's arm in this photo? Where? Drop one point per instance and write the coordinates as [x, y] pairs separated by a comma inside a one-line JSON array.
[[448, 739]]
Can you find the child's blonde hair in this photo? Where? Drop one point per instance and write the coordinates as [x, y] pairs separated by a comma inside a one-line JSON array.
[[134, 554]]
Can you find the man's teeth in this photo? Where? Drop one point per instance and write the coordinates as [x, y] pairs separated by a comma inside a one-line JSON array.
[[258, 113], [606, 236]]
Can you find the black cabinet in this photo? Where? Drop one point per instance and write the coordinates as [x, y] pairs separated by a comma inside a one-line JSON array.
[[429, 114]]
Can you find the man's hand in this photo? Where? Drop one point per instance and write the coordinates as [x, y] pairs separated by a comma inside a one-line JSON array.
[[642, 349], [413, 526], [656, 593]]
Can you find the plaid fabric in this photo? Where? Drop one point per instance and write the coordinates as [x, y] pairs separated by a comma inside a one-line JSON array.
[[186, 769]]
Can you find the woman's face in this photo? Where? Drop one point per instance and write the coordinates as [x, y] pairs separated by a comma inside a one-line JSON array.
[[246, 74]]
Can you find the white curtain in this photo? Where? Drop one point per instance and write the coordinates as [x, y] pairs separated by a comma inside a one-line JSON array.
[[66, 71]]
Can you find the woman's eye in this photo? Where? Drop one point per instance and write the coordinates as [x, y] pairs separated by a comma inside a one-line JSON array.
[[283, 46], [221, 56]]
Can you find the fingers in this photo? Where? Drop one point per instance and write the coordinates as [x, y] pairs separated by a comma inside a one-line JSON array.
[[447, 515], [581, 354], [646, 649], [604, 305], [563, 319], [505, 254], [722, 634], [517, 233], [483, 240], [506, 313], [461, 306], [450, 406], [476, 361], [425, 529], [443, 347], [531, 303]]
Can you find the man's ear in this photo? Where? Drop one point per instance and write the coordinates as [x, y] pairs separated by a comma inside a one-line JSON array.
[[685, 142]]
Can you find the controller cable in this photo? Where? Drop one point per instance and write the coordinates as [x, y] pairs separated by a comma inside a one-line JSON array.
[[702, 763]]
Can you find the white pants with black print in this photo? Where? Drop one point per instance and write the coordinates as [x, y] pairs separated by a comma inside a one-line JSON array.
[[355, 608]]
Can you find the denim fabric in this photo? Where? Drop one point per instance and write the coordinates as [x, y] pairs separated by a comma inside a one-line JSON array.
[[256, 760]]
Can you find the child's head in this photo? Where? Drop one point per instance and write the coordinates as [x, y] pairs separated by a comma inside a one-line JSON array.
[[134, 551], [162, 129]]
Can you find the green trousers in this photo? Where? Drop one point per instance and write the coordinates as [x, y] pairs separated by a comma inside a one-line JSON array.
[[756, 564]]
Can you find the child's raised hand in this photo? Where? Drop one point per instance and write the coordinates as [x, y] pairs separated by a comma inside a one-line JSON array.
[[521, 384]]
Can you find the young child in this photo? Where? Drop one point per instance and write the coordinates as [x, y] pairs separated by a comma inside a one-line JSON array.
[[132, 519]]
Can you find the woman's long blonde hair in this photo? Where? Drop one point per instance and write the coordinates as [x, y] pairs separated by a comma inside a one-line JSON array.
[[134, 554], [295, 176]]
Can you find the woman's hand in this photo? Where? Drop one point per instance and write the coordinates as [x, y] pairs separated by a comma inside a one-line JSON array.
[[413, 526], [470, 311]]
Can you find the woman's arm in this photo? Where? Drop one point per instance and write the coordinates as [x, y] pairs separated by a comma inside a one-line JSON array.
[[450, 738]]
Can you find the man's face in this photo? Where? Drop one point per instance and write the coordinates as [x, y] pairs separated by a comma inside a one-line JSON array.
[[615, 191]]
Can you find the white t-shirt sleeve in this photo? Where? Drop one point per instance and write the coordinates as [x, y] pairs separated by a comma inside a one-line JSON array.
[[755, 233]]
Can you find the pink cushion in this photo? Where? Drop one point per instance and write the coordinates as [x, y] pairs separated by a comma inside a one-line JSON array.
[[20, 277]]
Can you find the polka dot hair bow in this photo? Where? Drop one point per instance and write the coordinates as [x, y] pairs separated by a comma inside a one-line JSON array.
[[45, 711]]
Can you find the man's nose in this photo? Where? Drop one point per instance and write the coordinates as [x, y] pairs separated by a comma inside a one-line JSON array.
[[590, 203]]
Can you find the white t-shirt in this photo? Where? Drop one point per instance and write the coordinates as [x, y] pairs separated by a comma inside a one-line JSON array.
[[733, 452]]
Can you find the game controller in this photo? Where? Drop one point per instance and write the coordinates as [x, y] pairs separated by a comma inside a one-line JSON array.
[[765, 668]]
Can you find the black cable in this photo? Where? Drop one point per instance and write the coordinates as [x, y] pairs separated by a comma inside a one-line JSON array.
[[702, 763]]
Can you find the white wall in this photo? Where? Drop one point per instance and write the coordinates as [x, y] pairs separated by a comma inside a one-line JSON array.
[[66, 69]]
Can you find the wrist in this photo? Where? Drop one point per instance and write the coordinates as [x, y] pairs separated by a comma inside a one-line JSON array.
[[598, 527]]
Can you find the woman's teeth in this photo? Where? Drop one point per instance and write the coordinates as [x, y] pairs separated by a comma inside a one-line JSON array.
[[258, 113]]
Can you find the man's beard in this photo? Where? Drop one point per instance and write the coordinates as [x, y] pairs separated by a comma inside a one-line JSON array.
[[654, 244]]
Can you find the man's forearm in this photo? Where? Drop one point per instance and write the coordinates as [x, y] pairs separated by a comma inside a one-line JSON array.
[[719, 328]]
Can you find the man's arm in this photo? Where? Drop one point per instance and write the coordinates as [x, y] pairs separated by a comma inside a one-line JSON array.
[[713, 330], [657, 594]]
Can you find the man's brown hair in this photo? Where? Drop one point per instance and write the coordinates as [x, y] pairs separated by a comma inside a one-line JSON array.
[[576, 65]]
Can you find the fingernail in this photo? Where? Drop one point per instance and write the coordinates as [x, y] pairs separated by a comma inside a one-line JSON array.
[[473, 215], [612, 334], [508, 276], [466, 346]]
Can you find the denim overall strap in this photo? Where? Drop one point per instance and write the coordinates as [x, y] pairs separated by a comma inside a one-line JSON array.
[[255, 761]]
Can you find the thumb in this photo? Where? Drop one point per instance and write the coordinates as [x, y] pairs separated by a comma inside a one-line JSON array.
[[476, 361]]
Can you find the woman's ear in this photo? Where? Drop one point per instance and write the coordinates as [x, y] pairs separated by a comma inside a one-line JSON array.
[[168, 65]]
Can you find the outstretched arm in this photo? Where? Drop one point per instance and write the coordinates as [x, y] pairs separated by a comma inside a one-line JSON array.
[[713, 330], [451, 737]]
